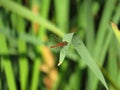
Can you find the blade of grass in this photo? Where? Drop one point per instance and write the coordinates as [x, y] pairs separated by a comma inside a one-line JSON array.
[[109, 79], [105, 19], [74, 81], [23, 62], [92, 82], [21, 36], [112, 63], [7, 65], [12, 6], [82, 24], [44, 9], [44, 13], [36, 72], [90, 35], [95, 7], [0, 73], [62, 14], [119, 79], [110, 34], [82, 51]]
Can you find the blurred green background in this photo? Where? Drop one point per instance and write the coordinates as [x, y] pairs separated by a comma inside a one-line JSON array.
[[26, 28]]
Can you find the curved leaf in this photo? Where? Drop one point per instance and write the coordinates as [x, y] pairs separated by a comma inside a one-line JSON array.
[[63, 52], [72, 38]]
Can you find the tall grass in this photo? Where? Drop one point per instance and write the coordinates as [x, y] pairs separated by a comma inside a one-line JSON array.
[[28, 63]]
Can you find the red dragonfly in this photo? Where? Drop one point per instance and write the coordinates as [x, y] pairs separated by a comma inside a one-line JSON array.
[[64, 43]]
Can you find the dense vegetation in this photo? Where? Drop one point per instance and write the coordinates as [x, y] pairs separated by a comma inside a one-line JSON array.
[[29, 27]]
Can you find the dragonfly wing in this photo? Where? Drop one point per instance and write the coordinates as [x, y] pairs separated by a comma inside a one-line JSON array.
[[54, 38]]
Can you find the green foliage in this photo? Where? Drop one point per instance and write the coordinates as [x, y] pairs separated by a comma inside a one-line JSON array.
[[28, 63], [83, 52]]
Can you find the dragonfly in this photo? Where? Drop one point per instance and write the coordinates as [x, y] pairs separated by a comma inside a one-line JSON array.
[[53, 38], [61, 44]]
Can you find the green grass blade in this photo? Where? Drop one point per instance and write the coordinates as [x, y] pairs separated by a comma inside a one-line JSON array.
[[119, 79], [25, 13], [23, 61], [0, 74], [82, 24], [7, 66], [62, 14], [93, 82], [21, 36], [74, 81], [83, 52], [112, 63], [35, 78], [6, 63], [105, 19], [90, 32], [23, 65], [110, 34], [44, 12]]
